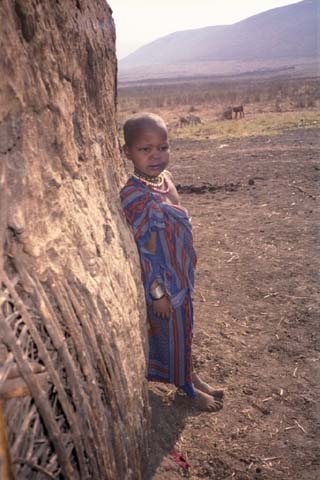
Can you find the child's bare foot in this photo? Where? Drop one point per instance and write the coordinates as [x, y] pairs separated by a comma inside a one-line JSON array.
[[205, 387], [206, 402]]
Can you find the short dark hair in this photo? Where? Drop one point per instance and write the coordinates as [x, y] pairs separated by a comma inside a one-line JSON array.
[[137, 122]]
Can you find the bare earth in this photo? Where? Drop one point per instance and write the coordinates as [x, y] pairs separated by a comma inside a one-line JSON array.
[[256, 312]]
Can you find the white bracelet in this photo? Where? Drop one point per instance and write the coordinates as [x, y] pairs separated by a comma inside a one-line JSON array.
[[157, 293]]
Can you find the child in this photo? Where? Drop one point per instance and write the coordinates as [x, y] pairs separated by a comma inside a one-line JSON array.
[[163, 234]]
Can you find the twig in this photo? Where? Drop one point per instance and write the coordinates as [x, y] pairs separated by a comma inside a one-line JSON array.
[[233, 257], [3, 209], [5, 368], [304, 192], [12, 371], [280, 321], [300, 426], [27, 420], [202, 297], [270, 459], [263, 410], [6, 470], [34, 466], [273, 294]]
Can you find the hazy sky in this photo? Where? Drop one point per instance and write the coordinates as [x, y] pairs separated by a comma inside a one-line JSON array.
[[141, 21]]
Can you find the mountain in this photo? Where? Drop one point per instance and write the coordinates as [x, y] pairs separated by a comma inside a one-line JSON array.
[[281, 33]]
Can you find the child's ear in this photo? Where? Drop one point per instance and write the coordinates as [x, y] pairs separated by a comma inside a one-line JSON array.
[[126, 150]]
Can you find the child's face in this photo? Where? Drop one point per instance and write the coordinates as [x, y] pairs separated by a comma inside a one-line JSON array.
[[149, 151]]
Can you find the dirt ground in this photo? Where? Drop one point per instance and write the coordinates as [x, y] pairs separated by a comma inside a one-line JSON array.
[[256, 221]]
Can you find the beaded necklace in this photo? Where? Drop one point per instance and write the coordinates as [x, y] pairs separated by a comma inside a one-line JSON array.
[[153, 182]]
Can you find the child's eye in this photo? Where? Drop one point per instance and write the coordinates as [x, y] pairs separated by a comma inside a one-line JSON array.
[[164, 148], [144, 149]]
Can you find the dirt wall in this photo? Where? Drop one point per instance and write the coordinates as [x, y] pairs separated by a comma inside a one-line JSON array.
[[71, 310]]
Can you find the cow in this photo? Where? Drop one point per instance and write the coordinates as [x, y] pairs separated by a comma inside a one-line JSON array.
[[227, 114], [194, 120], [183, 122], [239, 110]]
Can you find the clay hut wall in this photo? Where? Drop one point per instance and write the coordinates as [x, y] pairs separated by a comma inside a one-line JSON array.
[[72, 320]]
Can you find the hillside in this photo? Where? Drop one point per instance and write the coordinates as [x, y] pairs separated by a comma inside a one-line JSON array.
[[279, 34]]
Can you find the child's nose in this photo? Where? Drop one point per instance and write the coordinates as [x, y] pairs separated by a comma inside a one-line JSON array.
[[156, 153]]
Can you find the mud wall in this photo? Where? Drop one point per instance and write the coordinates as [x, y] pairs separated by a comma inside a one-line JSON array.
[[72, 317]]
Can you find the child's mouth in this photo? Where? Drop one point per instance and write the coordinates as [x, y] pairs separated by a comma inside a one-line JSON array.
[[156, 167]]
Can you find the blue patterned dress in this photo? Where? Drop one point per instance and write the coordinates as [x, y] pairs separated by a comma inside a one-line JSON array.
[[172, 265]]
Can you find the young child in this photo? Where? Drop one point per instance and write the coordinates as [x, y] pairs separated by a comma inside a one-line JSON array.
[[163, 234]]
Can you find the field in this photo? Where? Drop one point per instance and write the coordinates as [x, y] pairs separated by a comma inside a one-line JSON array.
[[251, 188]]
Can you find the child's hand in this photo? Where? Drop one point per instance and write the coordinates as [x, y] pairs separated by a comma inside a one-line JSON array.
[[162, 307]]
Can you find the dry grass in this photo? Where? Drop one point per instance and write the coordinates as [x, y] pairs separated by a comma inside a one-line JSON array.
[[280, 94], [255, 124], [271, 106]]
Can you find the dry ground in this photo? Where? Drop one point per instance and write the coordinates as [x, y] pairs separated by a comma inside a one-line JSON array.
[[256, 307]]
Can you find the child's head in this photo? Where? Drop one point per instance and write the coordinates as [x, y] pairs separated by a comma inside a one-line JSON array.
[[146, 143]]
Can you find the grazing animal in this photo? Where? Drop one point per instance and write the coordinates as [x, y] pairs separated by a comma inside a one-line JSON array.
[[227, 114], [239, 110], [194, 119], [183, 121]]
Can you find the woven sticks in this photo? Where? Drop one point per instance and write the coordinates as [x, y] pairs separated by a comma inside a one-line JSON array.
[[39, 396], [26, 335]]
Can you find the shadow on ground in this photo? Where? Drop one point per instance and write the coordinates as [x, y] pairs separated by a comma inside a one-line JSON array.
[[169, 412]]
